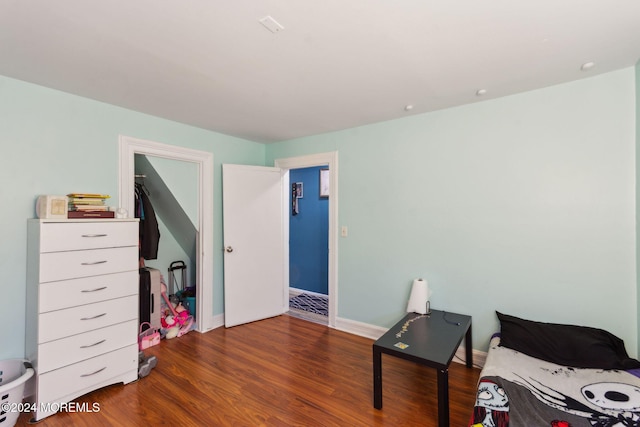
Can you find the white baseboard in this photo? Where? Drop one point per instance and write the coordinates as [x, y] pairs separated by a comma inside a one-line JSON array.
[[374, 332], [218, 320], [359, 328], [304, 291], [479, 357]]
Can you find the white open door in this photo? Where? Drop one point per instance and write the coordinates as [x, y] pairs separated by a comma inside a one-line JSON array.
[[252, 198]]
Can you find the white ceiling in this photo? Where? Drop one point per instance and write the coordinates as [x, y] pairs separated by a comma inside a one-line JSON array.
[[337, 63]]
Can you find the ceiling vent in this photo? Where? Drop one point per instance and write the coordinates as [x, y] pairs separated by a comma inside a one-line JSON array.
[[271, 24]]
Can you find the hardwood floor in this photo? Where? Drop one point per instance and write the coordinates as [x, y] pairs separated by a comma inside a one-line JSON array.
[[276, 372]]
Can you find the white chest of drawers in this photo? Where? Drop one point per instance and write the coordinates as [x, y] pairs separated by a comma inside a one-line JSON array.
[[82, 307]]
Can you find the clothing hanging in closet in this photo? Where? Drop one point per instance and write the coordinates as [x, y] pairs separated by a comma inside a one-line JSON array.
[[149, 233]]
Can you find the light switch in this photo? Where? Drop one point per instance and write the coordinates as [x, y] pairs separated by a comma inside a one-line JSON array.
[[344, 231]]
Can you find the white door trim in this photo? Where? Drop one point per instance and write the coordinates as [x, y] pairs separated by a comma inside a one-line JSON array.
[[128, 148], [320, 159]]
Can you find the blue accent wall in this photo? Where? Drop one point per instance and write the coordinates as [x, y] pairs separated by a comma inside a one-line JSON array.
[[309, 235]]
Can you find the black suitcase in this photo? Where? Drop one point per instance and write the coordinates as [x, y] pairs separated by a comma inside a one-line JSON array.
[[150, 289]]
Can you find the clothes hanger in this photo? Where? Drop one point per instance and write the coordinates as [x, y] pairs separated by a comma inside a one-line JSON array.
[[141, 185]]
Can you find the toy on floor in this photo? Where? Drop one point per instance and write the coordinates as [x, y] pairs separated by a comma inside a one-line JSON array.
[[177, 321]]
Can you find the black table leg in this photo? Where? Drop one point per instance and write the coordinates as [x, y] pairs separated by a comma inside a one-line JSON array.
[[443, 397], [468, 348], [377, 378]]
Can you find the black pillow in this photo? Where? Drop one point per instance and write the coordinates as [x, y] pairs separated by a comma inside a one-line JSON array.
[[567, 345]]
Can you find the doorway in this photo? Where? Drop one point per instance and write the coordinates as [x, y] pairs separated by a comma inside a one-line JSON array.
[[309, 244], [128, 148], [327, 161]]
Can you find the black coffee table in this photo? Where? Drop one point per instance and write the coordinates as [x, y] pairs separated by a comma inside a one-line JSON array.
[[430, 340]]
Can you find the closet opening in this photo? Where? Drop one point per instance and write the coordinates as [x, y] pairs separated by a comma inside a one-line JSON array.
[[191, 171], [166, 204]]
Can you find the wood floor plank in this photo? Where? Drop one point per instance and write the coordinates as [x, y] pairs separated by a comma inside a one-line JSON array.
[[281, 371]]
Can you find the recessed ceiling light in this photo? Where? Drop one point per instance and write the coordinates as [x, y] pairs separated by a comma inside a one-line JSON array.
[[587, 66], [408, 107], [481, 92]]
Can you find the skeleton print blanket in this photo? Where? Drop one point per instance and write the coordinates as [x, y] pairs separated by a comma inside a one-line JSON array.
[[520, 391]]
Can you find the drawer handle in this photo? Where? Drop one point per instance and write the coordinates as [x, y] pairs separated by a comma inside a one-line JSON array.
[[94, 235], [93, 263], [93, 373], [92, 345], [94, 290], [94, 317]]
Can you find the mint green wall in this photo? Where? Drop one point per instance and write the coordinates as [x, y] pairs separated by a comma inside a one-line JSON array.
[[169, 250], [55, 143], [180, 177], [637, 69], [523, 204]]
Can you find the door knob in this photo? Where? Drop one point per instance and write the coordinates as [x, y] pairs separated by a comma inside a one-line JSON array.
[[228, 249]]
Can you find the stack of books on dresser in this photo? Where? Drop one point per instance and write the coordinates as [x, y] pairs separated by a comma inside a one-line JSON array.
[[87, 205]]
